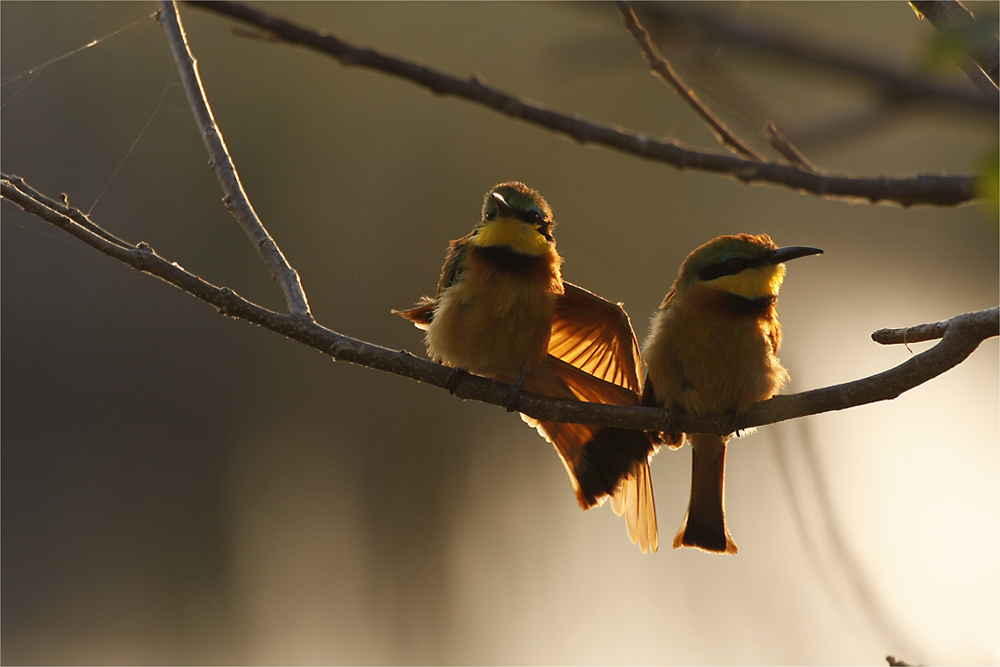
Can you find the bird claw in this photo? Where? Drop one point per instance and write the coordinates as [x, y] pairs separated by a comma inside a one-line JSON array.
[[733, 425], [456, 375], [673, 430], [514, 391]]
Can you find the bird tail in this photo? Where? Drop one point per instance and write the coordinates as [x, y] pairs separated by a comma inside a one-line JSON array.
[[704, 525], [422, 314], [602, 462], [634, 499]]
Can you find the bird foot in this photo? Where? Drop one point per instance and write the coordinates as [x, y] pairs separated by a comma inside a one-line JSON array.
[[456, 375], [673, 430], [733, 425], [515, 391]]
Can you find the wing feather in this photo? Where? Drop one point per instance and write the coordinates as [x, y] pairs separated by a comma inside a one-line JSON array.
[[596, 336], [634, 499]]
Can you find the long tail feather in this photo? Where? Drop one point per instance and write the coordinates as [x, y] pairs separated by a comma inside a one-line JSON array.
[[704, 526]]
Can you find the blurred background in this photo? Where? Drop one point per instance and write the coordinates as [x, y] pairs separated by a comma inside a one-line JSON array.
[[182, 488]]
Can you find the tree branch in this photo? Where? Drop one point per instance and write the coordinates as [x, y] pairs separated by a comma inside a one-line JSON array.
[[236, 199], [983, 323], [929, 189], [780, 143], [982, 64], [961, 336], [660, 66]]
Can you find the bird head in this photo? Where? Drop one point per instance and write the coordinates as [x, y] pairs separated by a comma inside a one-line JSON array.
[[517, 217], [745, 265]]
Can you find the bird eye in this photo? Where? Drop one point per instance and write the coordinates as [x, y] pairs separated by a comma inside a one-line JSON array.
[[533, 216], [490, 214]]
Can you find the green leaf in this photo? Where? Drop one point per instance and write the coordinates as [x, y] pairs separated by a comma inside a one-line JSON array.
[[988, 186], [956, 43]]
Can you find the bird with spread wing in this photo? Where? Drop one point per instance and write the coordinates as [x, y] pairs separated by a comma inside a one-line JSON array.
[[503, 311]]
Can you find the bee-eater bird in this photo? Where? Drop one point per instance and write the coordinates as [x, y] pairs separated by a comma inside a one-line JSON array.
[[712, 349], [503, 311]]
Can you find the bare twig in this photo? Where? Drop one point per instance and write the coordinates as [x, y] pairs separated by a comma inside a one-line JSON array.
[[980, 79], [781, 144], [961, 337], [946, 14], [982, 64], [661, 66], [890, 83], [236, 199], [63, 207], [983, 322], [933, 190]]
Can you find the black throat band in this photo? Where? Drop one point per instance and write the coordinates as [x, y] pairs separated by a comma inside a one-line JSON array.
[[506, 259]]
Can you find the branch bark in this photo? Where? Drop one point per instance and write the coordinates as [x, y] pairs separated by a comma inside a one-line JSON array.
[[961, 336], [236, 199], [983, 322], [928, 189]]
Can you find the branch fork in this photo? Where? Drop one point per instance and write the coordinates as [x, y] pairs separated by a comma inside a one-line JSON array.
[[235, 200]]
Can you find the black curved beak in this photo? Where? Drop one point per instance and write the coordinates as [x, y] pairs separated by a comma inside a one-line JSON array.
[[782, 255]]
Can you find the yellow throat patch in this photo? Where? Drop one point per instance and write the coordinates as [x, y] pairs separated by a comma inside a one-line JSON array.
[[753, 283], [510, 232]]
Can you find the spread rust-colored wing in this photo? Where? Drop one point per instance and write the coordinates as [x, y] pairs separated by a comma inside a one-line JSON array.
[[596, 336]]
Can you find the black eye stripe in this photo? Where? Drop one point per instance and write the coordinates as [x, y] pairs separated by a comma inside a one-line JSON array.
[[727, 267]]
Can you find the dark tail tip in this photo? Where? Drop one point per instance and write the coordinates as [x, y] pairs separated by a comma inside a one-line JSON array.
[[712, 538], [607, 457]]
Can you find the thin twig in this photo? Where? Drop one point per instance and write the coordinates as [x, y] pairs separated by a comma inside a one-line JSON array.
[[983, 322], [930, 189], [781, 144], [962, 336], [980, 79], [947, 14], [982, 64], [63, 207], [236, 199], [661, 66]]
